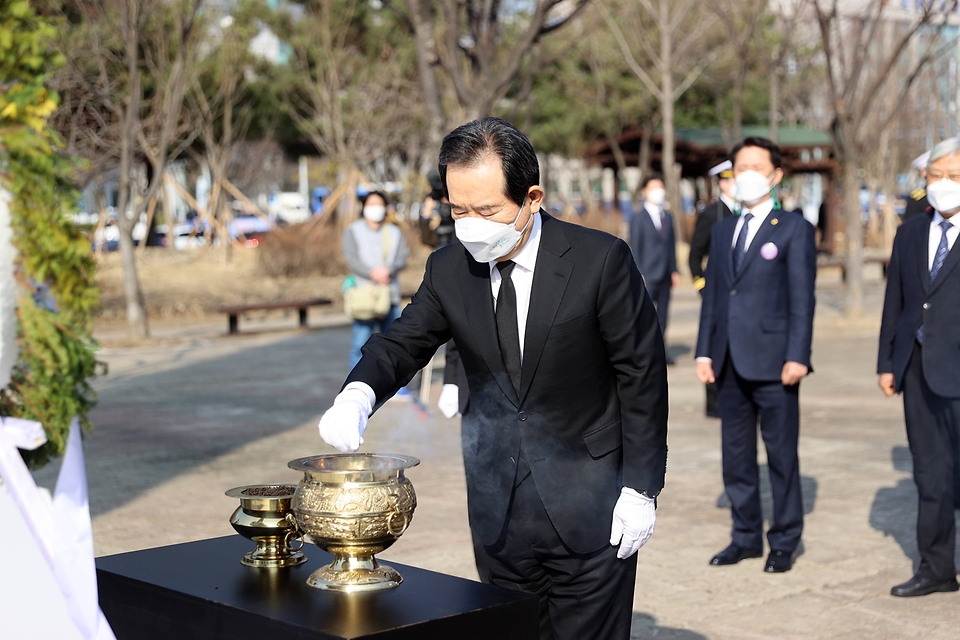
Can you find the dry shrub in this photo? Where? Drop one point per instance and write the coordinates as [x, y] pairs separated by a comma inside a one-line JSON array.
[[597, 218], [302, 249]]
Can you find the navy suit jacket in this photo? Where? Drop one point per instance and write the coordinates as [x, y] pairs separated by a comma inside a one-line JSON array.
[[655, 253], [763, 316], [591, 412], [911, 300]]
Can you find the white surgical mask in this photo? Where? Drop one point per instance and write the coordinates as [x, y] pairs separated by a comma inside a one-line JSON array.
[[487, 240], [752, 187], [375, 212], [944, 195], [656, 196]]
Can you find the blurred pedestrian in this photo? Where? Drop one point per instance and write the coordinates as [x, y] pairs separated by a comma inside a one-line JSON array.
[[756, 326], [436, 223], [720, 209], [919, 355], [375, 251], [654, 246]]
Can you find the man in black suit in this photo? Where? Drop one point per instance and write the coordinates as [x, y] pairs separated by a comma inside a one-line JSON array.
[[564, 437], [756, 325], [700, 245], [721, 208], [919, 355], [654, 245]]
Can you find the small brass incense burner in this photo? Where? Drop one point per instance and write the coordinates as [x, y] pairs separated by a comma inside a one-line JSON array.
[[264, 516], [354, 505]]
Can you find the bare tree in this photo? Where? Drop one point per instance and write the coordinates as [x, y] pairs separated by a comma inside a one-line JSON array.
[[354, 107], [870, 52], [128, 64], [675, 58]]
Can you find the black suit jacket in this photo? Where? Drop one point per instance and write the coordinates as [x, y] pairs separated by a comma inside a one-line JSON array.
[[911, 300], [591, 413], [763, 316], [700, 242], [655, 253]]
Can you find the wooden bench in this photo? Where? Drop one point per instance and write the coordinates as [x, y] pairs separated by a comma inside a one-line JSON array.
[[839, 261], [233, 311]]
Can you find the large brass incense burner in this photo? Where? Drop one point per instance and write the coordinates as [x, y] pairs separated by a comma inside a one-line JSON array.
[[354, 505], [264, 516]]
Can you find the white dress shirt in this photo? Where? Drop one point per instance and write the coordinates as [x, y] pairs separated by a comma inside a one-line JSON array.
[[936, 233], [760, 213], [521, 276], [727, 200], [655, 211]]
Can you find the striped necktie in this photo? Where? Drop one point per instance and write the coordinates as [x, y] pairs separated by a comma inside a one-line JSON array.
[[938, 259]]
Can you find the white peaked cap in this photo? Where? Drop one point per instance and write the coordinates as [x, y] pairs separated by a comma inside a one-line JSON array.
[[726, 165]]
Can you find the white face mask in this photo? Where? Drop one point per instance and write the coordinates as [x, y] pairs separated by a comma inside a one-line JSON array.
[[752, 187], [487, 240], [656, 196], [375, 212], [944, 195]]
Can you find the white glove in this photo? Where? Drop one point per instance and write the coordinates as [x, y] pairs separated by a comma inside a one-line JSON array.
[[449, 402], [343, 424], [633, 520]]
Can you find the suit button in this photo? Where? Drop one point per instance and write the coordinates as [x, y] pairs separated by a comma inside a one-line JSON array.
[[522, 416], [733, 292], [926, 305]]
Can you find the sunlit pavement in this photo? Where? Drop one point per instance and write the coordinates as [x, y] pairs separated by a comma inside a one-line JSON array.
[[178, 424]]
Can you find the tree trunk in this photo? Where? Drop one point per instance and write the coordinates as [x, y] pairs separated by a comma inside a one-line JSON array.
[[774, 114], [853, 296], [133, 293], [667, 160]]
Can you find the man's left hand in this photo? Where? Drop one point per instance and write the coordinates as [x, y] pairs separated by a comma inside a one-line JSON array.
[[634, 517], [675, 279], [792, 373]]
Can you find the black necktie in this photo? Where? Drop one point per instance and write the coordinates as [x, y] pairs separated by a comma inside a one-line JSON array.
[[507, 328], [663, 225], [741, 249]]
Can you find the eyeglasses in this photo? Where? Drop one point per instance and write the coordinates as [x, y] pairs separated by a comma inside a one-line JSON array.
[[933, 177]]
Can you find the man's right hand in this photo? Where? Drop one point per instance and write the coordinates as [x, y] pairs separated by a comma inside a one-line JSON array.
[[343, 424], [705, 372], [887, 384]]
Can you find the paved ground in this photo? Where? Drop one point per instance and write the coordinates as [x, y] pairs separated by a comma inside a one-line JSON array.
[[181, 422]]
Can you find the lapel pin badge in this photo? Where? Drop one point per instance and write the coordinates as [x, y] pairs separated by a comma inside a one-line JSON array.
[[774, 222], [769, 251]]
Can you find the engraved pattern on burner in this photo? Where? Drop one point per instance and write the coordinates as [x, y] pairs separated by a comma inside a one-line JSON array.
[[354, 512]]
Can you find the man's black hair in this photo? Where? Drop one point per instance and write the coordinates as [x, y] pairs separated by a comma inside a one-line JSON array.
[[469, 144], [776, 157], [650, 177]]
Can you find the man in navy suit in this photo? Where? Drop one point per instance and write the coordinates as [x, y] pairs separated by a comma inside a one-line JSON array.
[[756, 325], [919, 356], [654, 245]]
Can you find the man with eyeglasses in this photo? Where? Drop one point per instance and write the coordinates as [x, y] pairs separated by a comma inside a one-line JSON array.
[[919, 356]]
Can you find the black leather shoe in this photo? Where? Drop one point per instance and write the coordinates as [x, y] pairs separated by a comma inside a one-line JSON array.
[[919, 586], [734, 554], [780, 561]]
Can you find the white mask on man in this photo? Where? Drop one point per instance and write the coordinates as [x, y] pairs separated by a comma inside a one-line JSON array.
[[752, 187], [656, 197], [487, 240], [944, 195]]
